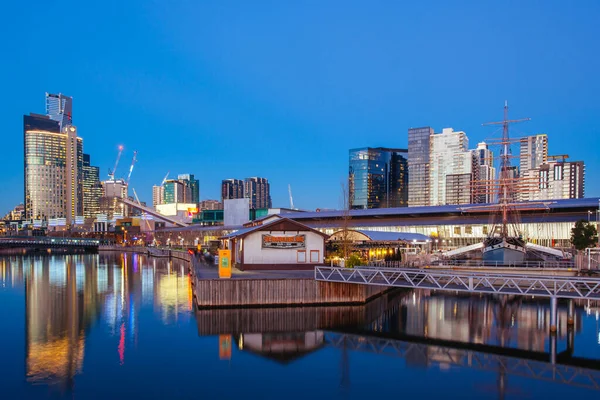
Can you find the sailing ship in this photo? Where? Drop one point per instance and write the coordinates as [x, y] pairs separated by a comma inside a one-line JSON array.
[[505, 244]]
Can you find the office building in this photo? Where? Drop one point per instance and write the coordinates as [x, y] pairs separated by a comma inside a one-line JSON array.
[[60, 108], [192, 193], [378, 178], [484, 187], [174, 191], [53, 163], [92, 188], [448, 156], [258, 191], [232, 189], [419, 145], [533, 152]]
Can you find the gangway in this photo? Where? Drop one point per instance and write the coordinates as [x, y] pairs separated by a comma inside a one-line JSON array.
[[151, 211], [553, 287], [462, 250], [466, 281]]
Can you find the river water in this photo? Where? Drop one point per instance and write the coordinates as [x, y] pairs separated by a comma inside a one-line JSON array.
[[122, 326]]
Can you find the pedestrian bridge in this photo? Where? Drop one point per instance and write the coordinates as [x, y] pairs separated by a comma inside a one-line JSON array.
[[46, 242]]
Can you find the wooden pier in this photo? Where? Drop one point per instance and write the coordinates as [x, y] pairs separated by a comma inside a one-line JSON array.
[[215, 293]]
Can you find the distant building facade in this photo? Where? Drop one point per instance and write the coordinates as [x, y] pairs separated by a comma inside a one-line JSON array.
[[533, 152], [484, 187], [560, 180], [92, 188], [258, 191], [211, 205], [232, 189], [157, 195], [192, 191], [174, 191], [449, 156], [378, 178], [419, 147]]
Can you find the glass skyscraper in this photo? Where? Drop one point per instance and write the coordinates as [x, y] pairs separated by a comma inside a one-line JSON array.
[[52, 169], [92, 188], [419, 147], [60, 108], [378, 178]]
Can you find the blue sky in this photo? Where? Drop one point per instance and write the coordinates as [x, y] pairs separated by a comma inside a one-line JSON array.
[[282, 89]]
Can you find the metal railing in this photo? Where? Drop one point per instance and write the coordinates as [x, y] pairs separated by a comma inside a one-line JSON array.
[[476, 264], [546, 371], [465, 281]]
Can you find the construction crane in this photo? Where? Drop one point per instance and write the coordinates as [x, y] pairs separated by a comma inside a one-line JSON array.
[[561, 157], [111, 173], [165, 178], [133, 161], [291, 199]]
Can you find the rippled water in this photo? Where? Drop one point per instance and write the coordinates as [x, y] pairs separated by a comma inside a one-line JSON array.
[[123, 326]]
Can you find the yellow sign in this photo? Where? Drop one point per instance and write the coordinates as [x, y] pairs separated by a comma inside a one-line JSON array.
[[224, 263]]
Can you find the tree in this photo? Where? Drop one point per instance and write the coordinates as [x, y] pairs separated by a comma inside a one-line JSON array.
[[583, 235]]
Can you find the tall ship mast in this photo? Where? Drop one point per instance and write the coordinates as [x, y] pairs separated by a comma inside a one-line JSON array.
[[505, 244]]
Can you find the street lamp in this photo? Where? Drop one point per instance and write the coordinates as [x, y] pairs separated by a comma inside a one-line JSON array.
[[589, 215]]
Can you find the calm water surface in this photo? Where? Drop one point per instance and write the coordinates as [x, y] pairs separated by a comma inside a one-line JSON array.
[[123, 326]]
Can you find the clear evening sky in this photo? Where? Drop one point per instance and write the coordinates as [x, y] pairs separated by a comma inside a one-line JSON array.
[[282, 89]]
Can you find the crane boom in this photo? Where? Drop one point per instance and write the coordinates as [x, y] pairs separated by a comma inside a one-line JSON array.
[[133, 161], [291, 199], [165, 178], [140, 203], [111, 173]]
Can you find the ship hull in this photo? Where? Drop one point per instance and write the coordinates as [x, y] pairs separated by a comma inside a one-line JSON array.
[[504, 253]]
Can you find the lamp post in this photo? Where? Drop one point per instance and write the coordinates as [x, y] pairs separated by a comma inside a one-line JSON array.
[[589, 215]]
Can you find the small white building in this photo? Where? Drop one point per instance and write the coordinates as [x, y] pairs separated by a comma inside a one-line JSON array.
[[276, 243]]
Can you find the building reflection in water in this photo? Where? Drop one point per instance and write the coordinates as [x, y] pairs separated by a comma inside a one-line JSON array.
[[282, 347], [65, 295], [517, 322], [441, 319]]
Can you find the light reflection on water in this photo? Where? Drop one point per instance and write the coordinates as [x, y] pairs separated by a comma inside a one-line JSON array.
[[120, 318]]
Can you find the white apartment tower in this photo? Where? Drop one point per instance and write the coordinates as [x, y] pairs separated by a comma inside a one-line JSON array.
[[449, 155], [484, 187]]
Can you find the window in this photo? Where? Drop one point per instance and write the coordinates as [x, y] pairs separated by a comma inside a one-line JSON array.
[[301, 256], [457, 230], [314, 256]]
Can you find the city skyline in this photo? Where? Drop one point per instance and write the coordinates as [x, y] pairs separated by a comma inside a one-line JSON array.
[[221, 124]]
